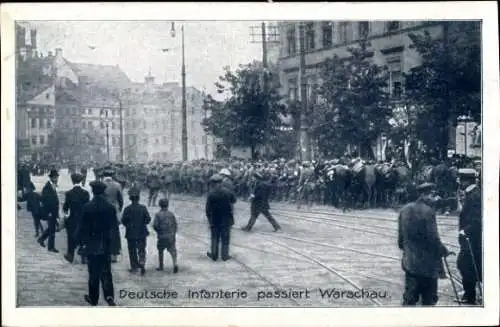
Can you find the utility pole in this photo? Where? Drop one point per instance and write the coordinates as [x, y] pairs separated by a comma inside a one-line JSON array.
[[303, 136], [121, 130], [268, 34], [205, 116]]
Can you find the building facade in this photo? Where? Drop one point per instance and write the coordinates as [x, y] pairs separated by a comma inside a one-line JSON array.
[[389, 42], [153, 127]]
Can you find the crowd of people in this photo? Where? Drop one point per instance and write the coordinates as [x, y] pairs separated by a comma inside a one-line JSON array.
[[92, 223]]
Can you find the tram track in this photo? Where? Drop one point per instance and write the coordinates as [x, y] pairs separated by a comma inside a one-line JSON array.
[[329, 221]]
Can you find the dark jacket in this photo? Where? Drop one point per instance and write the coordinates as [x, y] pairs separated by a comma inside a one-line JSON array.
[[98, 231], [419, 239], [219, 207], [74, 201], [261, 195], [34, 203], [136, 219], [50, 202], [471, 221]]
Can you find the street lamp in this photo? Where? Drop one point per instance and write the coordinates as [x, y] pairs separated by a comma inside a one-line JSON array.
[[184, 110], [105, 117]]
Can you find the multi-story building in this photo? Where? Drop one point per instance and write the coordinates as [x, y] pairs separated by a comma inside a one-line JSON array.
[[389, 44], [154, 122]]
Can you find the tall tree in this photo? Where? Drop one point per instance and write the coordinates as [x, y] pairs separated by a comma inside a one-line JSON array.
[[447, 84], [354, 102], [250, 114]]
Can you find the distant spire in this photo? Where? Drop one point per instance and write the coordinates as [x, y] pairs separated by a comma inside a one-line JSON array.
[[149, 71]]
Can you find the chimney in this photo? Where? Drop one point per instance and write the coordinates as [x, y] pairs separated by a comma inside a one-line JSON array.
[[59, 52], [50, 54]]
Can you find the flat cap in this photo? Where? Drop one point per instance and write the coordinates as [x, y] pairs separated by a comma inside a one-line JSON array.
[[426, 187], [225, 172], [134, 191], [76, 178], [98, 187], [216, 178], [53, 173]]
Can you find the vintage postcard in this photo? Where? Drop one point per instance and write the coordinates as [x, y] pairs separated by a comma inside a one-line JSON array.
[[250, 164]]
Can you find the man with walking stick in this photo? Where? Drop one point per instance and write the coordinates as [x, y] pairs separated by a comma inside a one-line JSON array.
[[469, 261], [419, 239]]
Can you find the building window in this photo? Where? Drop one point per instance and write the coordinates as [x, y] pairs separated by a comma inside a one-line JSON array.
[[114, 141], [33, 122], [327, 28], [343, 32], [102, 125], [33, 140], [293, 89], [113, 125], [363, 29], [291, 41], [144, 124], [395, 77], [392, 26], [310, 36], [157, 141], [145, 141], [165, 140], [47, 95], [89, 112], [42, 140], [49, 123]]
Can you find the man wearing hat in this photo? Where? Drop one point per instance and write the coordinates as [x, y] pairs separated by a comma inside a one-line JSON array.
[[422, 248], [50, 204], [469, 261], [97, 234], [260, 204], [113, 194], [219, 212], [74, 201], [136, 219]]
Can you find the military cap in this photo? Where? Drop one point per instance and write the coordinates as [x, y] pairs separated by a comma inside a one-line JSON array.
[[134, 191], [76, 178], [225, 172], [426, 187], [53, 173], [216, 178], [98, 187]]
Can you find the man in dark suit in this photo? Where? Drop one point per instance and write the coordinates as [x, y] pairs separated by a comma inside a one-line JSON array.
[[136, 219], [422, 248], [219, 213], [74, 201], [97, 233], [470, 238], [50, 203], [260, 204]]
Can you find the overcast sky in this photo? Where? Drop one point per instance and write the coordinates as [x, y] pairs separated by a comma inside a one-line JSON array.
[[136, 47]]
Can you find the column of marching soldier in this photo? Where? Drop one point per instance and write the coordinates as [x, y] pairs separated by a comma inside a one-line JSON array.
[[92, 226]]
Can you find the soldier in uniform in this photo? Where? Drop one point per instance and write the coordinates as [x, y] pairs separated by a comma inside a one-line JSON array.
[[260, 204], [97, 234], [74, 201], [50, 204], [153, 184], [83, 171], [219, 212], [136, 219], [469, 261], [422, 248], [34, 205]]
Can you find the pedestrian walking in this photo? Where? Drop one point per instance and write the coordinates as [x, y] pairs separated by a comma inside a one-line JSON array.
[[113, 195], [153, 184], [97, 234], [136, 219], [469, 261], [422, 248], [219, 212], [50, 204], [34, 206], [165, 226], [74, 201], [259, 204]]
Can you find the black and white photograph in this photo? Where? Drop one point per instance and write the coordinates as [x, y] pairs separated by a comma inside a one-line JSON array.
[[239, 161]]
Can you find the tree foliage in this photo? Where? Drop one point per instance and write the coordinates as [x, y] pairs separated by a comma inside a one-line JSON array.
[[250, 114], [447, 84], [354, 102]]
